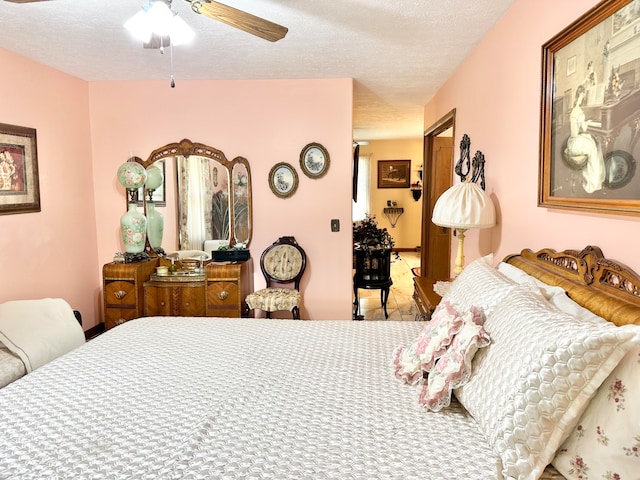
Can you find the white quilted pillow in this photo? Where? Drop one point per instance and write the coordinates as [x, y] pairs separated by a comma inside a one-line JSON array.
[[479, 285], [530, 386]]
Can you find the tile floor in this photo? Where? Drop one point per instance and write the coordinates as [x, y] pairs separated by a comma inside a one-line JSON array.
[[400, 305]]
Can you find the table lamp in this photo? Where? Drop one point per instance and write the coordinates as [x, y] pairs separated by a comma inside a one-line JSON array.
[[463, 206]]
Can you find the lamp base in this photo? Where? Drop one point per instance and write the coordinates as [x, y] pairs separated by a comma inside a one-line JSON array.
[[460, 255]]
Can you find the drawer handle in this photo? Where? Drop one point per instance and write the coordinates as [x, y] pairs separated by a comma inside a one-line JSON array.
[[120, 294], [223, 295], [162, 304]]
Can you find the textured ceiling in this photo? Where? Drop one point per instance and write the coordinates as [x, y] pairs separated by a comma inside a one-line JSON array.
[[399, 52]]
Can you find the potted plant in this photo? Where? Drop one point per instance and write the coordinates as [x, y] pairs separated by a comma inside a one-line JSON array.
[[368, 236]]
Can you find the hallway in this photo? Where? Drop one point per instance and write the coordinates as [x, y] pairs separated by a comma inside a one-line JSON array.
[[400, 305]]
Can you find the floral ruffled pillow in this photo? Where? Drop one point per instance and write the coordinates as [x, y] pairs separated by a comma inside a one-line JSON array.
[[411, 361], [453, 369]]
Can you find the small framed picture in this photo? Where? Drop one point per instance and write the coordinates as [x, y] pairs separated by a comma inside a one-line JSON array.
[[314, 160], [283, 180], [394, 173], [19, 183]]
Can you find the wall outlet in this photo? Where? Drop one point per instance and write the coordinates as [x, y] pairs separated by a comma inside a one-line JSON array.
[[335, 225]]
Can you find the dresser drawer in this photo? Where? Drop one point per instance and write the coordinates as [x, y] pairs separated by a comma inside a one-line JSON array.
[[174, 299], [223, 299], [115, 316], [120, 293]]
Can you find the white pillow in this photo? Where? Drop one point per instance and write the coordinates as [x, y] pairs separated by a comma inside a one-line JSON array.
[[479, 285], [533, 382], [565, 304], [555, 294], [40, 330], [521, 277], [606, 441]]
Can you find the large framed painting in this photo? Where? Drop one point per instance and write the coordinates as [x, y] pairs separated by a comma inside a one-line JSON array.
[[590, 116], [19, 186], [394, 173]]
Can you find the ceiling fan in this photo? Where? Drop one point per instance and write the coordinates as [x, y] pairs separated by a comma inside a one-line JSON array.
[[223, 13], [237, 18]]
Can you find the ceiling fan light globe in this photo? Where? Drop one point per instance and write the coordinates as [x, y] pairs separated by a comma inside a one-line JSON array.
[[180, 31], [140, 26], [161, 18]]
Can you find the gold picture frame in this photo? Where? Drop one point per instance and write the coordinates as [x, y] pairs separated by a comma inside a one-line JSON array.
[[589, 140]]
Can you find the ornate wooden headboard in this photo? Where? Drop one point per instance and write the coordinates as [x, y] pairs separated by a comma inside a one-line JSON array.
[[606, 287]]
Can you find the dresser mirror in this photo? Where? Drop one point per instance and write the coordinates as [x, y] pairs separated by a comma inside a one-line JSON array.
[[213, 195]]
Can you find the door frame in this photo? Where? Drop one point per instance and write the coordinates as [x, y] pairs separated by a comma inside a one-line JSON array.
[[446, 122]]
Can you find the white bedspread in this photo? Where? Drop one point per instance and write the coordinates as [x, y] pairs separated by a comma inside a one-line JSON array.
[[205, 398]]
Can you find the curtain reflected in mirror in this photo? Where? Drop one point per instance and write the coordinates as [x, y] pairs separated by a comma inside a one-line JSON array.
[[203, 204]]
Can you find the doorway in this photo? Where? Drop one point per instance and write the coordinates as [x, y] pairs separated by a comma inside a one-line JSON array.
[[435, 253]]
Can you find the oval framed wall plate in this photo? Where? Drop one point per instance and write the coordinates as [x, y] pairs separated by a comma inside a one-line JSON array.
[[283, 180], [314, 160]]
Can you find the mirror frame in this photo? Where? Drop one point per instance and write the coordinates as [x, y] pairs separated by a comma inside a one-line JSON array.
[[187, 148]]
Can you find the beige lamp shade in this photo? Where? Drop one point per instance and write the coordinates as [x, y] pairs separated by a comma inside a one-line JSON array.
[[461, 207], [464, 206]]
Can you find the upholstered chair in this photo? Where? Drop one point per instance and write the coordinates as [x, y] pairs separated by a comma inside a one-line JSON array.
[[283, 263]]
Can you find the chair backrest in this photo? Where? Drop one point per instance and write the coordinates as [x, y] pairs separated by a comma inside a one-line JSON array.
[[283, 262]]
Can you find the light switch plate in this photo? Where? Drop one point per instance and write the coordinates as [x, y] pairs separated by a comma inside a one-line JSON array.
[[335, 225]]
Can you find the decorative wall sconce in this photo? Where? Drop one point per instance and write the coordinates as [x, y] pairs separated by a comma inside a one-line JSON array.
[[416, 190]]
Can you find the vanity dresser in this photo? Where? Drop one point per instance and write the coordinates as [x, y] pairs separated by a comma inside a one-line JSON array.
[[213, 202], [133, 290]]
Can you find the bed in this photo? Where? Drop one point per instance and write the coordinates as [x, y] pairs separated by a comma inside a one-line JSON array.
[[213, 398]]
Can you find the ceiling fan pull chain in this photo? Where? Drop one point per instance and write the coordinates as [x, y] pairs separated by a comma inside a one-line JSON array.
[[173, 81]]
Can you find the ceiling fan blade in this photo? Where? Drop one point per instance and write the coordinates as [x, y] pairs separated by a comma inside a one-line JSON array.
[[237, 18]]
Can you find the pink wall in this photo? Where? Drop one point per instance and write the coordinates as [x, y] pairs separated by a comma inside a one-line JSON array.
[[264, 121], [503, 122], [51, 253]]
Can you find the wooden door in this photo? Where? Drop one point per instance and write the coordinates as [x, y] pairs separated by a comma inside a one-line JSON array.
[[439, 242], [435, 258]]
